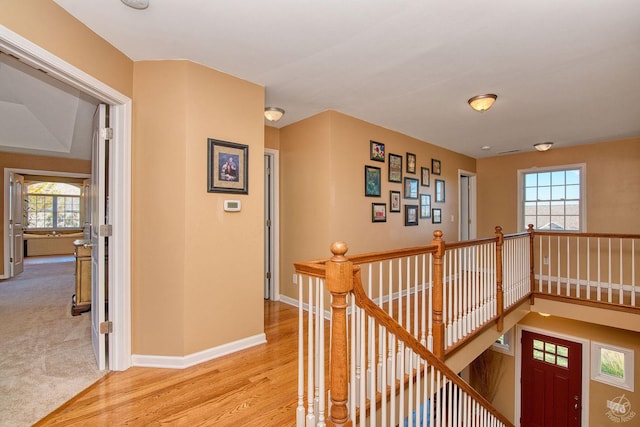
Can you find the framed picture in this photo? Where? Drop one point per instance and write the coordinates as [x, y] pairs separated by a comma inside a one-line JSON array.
[[378, 212], [411, 163], [410, 214], [436, 167], [376, 151], [227, 167], [425, 206], [372, 181], [410, 188], [436, 215], [395, 168], [394, 201], [439, 191], [425, 177]]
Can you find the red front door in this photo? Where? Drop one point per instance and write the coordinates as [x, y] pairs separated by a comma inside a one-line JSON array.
[[551, 381]]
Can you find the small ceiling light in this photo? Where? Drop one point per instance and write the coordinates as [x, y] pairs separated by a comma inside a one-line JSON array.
[[486, 147], [543, 314], [273, 114], [136, 4], [543, 146], [482, 102]]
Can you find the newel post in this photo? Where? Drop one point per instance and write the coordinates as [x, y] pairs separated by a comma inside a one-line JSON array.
[[499, 274], [532, 276], [438, 272], [339, 281]]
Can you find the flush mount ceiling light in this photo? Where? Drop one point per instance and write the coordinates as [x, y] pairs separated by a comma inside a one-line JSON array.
[[136, 4], [482, 102], [273, 114], [543, 146]]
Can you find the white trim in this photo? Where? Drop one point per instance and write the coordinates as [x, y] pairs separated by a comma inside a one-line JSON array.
[[120, 242], [473, 197], [275, 223], [20, 171], [182, 362], [583, 192], [305, 306], [627, 382], [585, 369]]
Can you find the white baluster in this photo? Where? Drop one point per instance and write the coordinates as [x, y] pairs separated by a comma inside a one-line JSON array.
[[300, 413]]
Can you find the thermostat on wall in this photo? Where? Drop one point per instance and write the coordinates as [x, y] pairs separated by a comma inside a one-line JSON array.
[[232, 205]]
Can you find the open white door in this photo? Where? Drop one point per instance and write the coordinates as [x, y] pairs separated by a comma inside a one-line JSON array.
[[99, 327], [16, 223]]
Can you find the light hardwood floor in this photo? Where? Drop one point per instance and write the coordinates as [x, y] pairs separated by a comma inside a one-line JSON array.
[[253, 387]]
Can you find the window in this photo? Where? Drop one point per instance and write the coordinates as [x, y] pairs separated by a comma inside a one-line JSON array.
[[552, 198], [504, 344], [612, 365], [52, 205]]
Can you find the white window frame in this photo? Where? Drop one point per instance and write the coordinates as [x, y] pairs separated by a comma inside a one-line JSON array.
[[583, 193], [627, 382], [507, 347]]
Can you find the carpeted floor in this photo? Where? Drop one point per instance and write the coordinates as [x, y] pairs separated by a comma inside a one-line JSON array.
[[46, 355]]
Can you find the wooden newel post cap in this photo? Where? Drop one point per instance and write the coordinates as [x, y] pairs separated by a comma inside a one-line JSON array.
[[530, 228], [498, 229], [339, 249], [437, 234]]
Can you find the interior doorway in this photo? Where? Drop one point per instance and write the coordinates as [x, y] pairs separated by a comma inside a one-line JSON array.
[[467, 224], [119, 339], [271, 225]]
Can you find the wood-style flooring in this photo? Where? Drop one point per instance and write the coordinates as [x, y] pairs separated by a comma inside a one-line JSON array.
[[253, 387]]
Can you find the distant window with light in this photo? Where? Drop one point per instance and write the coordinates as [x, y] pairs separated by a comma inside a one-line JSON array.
[[552, 199], [53, 205]]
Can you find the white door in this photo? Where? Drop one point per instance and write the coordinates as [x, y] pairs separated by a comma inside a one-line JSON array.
[[99, 196], [267, 227], [16, 222]]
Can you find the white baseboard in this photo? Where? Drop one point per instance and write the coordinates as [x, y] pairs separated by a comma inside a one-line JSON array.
[[182, 362]]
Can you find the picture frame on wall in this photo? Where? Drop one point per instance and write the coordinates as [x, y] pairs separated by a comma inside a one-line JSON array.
[[436, 216], [410, 188], [395, 168], [436, 167], [394, 201], [425, 206], [378, 212], [425, 177], [376, 151], [410, 215], [372, 181], [411, 163], [440, 191], [227, 167]]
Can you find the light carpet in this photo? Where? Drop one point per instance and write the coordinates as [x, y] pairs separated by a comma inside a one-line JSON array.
[[46, 356]]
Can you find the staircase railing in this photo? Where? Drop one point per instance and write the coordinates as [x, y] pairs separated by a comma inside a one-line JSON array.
[[387, 309]]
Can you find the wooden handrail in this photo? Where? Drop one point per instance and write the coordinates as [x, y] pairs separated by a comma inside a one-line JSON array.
[[578, 234], [372, 309]]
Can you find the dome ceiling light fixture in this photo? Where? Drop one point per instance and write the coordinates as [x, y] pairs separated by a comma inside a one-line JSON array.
[[482, 102], [543, 146], [273, 114], [136, 4]]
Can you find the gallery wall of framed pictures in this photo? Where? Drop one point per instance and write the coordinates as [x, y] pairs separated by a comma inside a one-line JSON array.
[[409, 187]]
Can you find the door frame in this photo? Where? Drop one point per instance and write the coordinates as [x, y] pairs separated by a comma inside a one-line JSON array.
[[120, 182], [472, 200], [275, 223], [586, 358]]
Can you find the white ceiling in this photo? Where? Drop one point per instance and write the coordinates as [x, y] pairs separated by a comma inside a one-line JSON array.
[[40, 115], [565, 71]]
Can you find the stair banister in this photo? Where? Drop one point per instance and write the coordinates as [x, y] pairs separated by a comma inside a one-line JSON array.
[[499, 290], [339, 282], [438, 321]]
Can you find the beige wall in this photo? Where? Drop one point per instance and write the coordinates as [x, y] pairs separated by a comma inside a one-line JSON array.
[[599, 392], [195, 265], [613, 185], [23, 161], [49, 26], [271, 138], [322, 163]]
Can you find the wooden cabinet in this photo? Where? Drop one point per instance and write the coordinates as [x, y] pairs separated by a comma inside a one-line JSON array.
[[82, 299]]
